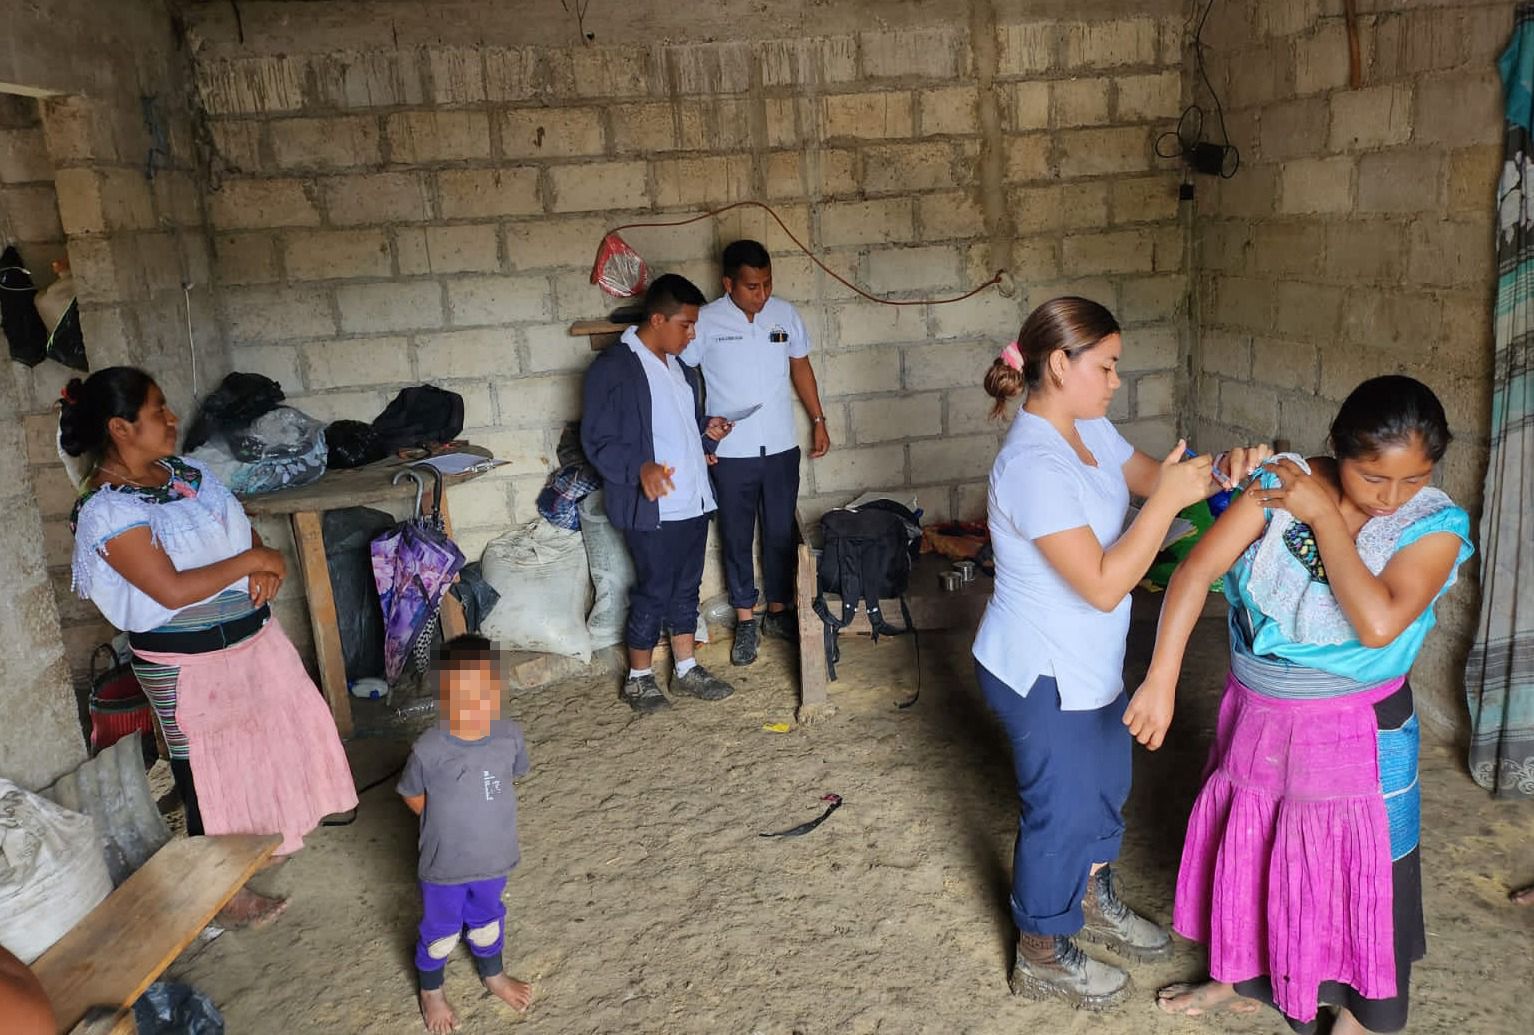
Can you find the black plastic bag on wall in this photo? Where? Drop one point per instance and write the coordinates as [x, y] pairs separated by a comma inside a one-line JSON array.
[[24, 329], [359, 616]]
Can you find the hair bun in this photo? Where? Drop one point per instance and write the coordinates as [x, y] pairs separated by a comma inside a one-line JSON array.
[[70, 394]]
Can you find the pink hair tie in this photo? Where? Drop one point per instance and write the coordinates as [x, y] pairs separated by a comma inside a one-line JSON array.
[[1012, 356]]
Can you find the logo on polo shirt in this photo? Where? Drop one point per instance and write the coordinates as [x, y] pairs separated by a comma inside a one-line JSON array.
[[777, 335], [727, 337]]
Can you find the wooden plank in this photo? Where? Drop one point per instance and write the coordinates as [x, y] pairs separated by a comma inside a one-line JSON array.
[[583, 328], [355, 487], [103, 1020], [309, 540], [813, 703], [127, 941]]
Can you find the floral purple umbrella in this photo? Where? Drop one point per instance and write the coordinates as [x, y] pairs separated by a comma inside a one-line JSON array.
[[413, 565]]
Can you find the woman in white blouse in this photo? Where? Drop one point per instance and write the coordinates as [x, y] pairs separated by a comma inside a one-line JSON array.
[[1049, 653], [166, 553]]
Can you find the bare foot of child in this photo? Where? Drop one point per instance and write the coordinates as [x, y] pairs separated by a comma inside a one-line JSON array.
[[437, 1012], [248, 909], [515, 994]]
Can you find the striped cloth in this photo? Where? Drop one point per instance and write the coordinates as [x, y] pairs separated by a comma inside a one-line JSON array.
[[159, 681]]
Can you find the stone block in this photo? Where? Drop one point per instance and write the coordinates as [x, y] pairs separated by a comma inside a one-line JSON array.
[[708, 68], [373, 199], [458, 248], [576, 298], [557, 242], [598, 186], [31, 213], [954, 364], [949, 111], [1376, 116], [551, 347], [1294, 129], [263, 203], [336, 254], [1222, 246], [859, 372], [1290, 247], [1160, 297], [1149, 349], [239, 145], [713, 180], [1364, 250], [1118, 251], [550, 132], [1306, 312], [262, 85], [948, 216], [24, 156], [438, 136], [1321, 57], [482, 193], [278, 362], [1111, 44], [924, 53], [952, 458], [366, 79], [375, 308], [1143, 199], [989, 315], [853, 470], [1029, 158], [1316, 185], [1285, 364], [529, 73], [786, 120], [749, 223], [1406, 323], [1400, 181], [651, 127], [539, 401], [477, 354], [1027, 48], [905, 417], [1408, 43], [621, 71], [1451, 253], [246, 258], [90, 201], [863, 323], [1059, 206], [1148, 98], [1267, 75], [496, 300], [325, 144], [1460, 110], [1101, 152], [1155, 396], [1242, 302], [1029, 105], [456, 75], [256, 315], [799, 60], [969, 412], [1252, 408], [356, 363], [1078, 102], [866, 222], [1473, 176], [912, 269], [906, 168], [867, 116]]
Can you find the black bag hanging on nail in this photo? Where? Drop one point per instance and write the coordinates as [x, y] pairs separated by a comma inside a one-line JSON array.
[[865, 556], [24, 328], [423, 415]]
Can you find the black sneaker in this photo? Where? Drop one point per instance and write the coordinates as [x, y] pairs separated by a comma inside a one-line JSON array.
[[642, 694], [744, 650], [782, 624], [702, 684]]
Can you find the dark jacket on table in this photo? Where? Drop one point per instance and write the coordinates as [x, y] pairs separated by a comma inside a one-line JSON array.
[[618, 436]]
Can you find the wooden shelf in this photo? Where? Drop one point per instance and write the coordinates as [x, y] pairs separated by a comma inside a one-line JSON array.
[[601, 333]]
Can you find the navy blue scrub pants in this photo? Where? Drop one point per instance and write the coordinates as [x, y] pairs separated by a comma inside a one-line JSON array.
[[745, 487], [1073, 773], [668, 573]]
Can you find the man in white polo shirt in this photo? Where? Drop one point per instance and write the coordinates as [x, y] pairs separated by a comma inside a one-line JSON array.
[[755, 356]]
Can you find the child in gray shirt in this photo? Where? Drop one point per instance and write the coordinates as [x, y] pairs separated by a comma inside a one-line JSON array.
[[459, 781]]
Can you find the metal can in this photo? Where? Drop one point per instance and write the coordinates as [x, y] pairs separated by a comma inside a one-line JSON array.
[[966, 570], [949, 581]]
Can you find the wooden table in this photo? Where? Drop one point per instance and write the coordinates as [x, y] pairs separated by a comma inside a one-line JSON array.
[[109, 958], [931, 609], [305, 506]]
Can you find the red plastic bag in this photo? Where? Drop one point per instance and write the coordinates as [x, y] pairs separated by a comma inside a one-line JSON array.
[[619, 270]]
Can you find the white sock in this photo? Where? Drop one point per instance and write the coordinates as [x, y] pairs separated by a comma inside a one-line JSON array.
[[635, 673], [686, 665]]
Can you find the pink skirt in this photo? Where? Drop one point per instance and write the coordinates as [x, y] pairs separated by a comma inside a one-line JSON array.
[[1286, 867], [265, 754]]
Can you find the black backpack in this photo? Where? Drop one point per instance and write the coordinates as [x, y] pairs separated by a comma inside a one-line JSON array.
[[423, 415], [865, 556]]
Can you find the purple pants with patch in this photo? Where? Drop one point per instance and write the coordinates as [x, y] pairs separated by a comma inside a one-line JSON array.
[[449, 909]]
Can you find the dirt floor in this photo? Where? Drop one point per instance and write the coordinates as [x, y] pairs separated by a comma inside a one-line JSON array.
[[647, 902]]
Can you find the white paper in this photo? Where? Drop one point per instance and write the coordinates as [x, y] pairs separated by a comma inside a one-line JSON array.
[[740, 415], [1181, 528], [460, 463]]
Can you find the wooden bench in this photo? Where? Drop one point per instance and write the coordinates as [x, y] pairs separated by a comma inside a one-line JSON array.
[[94, 973], [931, 609]]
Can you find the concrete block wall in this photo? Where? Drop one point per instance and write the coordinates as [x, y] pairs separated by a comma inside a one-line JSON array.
[[1356, 239], [408, 206], [105, 165]]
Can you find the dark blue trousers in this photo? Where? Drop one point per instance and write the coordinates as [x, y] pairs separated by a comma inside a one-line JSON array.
[[668, 573], [1073, 773], [746, 487]]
